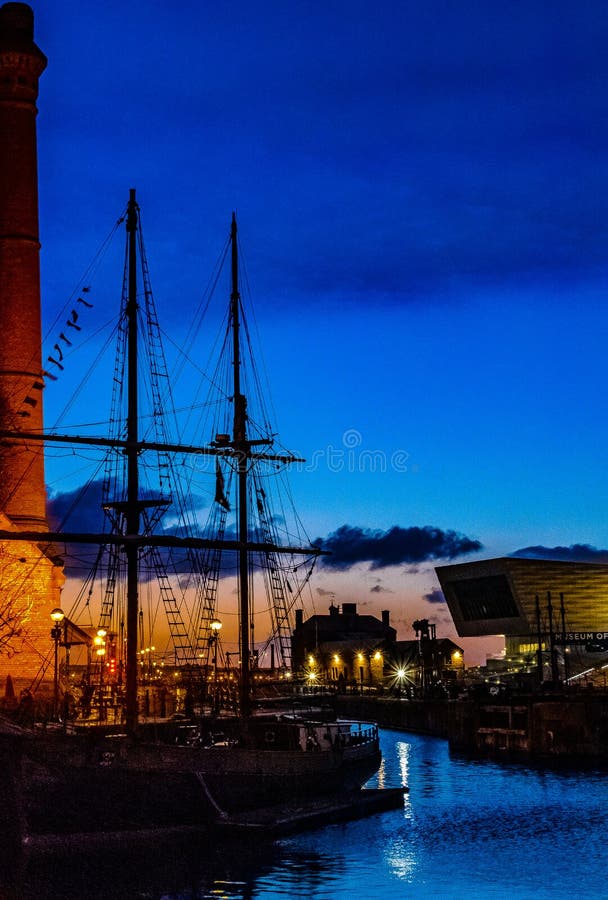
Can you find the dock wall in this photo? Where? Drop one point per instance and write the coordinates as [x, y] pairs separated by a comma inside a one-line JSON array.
[[565, 728], [418, 716]]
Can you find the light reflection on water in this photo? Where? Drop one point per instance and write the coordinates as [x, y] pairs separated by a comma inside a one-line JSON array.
[[474, 829]]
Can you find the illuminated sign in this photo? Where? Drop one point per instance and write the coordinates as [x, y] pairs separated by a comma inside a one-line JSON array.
[[580, 637]]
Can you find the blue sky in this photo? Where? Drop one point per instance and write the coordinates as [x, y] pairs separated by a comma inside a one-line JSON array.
[[421, 192]]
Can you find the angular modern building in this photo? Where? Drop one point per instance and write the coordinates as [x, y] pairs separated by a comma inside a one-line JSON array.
[[564, 604]]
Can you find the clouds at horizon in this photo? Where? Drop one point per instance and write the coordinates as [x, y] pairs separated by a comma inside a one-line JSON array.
[[435, 596], [573, 553], [350, 545], [80, 510]]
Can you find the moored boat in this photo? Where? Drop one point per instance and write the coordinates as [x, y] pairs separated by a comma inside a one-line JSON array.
[[85, 776]]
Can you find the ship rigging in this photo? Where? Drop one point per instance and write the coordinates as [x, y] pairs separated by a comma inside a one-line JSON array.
[[132, 515]]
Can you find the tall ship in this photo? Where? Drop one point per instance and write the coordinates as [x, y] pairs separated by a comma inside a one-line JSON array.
[[105, 761]]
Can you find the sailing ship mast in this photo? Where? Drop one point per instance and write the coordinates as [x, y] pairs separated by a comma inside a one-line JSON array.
[[132, 451], [239, 447]]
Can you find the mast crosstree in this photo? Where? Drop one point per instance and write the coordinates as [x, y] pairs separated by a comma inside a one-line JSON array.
[[130, 514]]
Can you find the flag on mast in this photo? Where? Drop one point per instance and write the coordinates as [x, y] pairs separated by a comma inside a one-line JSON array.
[[220, 496]]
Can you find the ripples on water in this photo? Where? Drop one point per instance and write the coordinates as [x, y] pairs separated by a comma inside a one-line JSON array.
[[467, 829]]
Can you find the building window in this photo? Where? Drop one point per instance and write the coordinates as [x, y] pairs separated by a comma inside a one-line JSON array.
[[485, 598]]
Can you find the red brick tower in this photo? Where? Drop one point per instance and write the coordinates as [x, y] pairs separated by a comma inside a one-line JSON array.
[[22, 490], [30, 578]]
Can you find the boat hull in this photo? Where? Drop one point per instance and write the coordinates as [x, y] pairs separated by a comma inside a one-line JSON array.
[[78, 784]]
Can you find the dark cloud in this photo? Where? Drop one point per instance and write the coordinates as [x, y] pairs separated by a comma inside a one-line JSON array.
[[77, 510], [423, 136], [350, 545], [378, 589], [80, 511], [435, 596], [573, 553]]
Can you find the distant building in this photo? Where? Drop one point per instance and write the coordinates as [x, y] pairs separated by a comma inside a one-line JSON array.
[[419, 665], [563, 606], [342, 647]]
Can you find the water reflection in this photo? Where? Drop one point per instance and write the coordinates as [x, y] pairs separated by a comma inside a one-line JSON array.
[[466, 828], [403, 756], [167, 870], [401, 858], [380, 778]]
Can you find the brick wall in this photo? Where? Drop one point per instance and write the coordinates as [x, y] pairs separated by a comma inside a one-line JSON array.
[[30, 587]]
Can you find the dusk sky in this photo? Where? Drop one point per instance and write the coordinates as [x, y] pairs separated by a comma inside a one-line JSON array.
[[421, 194]]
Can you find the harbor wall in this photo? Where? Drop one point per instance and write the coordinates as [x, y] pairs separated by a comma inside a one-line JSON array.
[[567, 728], [418, 716]]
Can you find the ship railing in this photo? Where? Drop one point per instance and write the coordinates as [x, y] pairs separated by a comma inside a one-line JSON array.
[[358, 733]]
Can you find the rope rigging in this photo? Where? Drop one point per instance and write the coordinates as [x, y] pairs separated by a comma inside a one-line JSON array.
[[175, 489]]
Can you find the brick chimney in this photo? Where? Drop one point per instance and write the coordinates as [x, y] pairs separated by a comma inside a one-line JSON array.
[[22, 490]]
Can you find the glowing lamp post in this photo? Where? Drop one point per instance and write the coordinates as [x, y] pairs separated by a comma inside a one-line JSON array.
[[458, 662], [57, 615], [360, 660], [378, 660], [311, 673], [100, 649], [215, 625], [400, 677]]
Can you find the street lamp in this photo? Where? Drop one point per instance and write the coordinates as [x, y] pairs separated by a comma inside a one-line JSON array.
[[57, 615], [458, 657], [360, 660], [377, 675], [215, 625], [400, 675], [100, 643]]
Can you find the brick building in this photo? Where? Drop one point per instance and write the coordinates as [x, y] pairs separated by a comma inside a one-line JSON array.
[[342, 647], [30, 575]]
